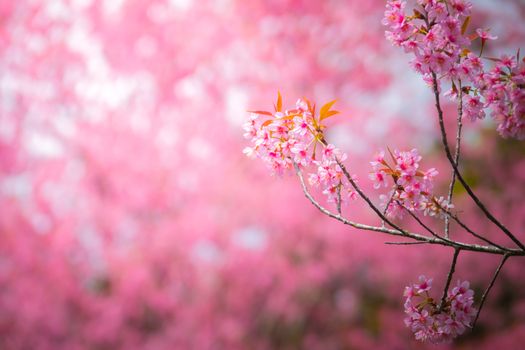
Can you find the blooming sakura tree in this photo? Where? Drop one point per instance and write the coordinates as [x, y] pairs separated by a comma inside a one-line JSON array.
[[130, 220], [436, 34]]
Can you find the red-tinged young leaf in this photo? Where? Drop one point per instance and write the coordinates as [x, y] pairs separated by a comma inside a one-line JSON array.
[[473, 36], [418, 14], [465, 89], [266, 123], [261, 112], [328, 114], [465, 52], [289, 117], [326, 108], [465, 24], [279, 106]]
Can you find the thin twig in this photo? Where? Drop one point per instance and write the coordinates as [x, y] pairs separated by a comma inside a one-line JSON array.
[[485, 294], [456, 155], [365, 197], [422, 224], [468, 229], [458, 174], [386, 207], [339, 198], [449, 277], [404, 243]]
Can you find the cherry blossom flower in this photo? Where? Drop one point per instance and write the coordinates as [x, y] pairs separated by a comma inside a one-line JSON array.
[[473, 108], [485, 34]]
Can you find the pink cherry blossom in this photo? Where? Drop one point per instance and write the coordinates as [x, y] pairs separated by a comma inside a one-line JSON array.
[[437, 38], [430, 321], [485, 34], [473, 108], [282, 138], [411, 188]]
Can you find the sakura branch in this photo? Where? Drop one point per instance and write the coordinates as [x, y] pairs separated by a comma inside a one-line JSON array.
[[418, 238], [437, 35]]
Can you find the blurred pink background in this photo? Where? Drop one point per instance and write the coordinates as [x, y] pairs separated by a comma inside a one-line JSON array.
[[130, 219]]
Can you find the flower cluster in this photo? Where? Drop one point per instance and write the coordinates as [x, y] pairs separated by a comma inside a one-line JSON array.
[[330, 176], [504, 92], [436, 34], [411, 187], [283, 138], [437, 323]]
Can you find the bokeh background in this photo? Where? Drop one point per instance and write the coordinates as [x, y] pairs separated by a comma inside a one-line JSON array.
[[130, 219]]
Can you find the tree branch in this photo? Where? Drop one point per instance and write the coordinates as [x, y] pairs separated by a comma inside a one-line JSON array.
[[386, 206], [365, 197], [485, 294], [468, 229], [404, 233], [422, 224], [456, 155], [449, 277], [339, 198], [458, 174], [404, 243]]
